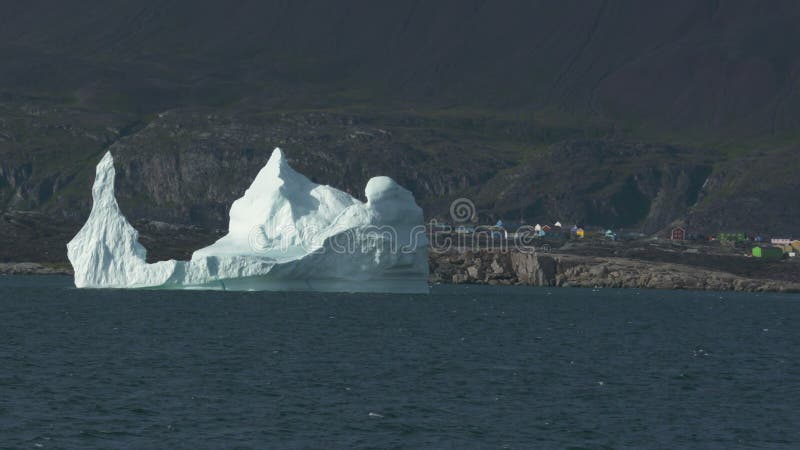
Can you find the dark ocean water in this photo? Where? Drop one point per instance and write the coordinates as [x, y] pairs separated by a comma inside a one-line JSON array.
[[466, 367]]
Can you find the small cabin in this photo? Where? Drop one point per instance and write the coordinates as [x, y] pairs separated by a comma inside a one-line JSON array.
[[678, 234], [768, 252]]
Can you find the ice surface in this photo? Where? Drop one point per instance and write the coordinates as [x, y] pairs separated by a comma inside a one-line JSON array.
[[106, 251], [285, 233]]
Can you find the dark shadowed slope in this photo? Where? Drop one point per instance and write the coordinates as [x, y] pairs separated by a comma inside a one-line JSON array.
[[616, 113], [707, 65]]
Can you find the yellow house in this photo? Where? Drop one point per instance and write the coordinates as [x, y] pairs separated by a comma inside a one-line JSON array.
[[796, 245], [580, 233]]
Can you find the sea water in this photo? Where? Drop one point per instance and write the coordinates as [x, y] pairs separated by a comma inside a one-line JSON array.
[[463, 367]]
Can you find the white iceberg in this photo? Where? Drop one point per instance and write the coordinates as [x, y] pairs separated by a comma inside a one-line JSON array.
[[285, 233]]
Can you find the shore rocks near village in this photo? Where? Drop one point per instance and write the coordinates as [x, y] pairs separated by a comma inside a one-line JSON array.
[[513, 267]]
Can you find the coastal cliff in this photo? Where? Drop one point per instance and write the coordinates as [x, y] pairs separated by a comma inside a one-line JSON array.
[[513, 267]]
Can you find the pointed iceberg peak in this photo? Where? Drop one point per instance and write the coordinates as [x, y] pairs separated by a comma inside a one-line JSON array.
[[105, 166], [277, 156], [106, 251], [276, 170], [107, 159], [277, 162], [103, 188]]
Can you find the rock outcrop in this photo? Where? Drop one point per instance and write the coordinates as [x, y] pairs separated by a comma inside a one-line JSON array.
[[30, 268], [562, 270]]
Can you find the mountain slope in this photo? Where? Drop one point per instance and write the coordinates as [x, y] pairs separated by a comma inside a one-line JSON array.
[[706, 65], [614, 113]]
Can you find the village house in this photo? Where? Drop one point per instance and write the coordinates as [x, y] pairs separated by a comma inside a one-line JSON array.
[[678, 234], [768, 252]]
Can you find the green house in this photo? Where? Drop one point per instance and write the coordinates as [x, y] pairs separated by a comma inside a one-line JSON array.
[[768, 252]]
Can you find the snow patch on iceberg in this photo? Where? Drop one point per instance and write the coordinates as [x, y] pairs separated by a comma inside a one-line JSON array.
[[285, 233]]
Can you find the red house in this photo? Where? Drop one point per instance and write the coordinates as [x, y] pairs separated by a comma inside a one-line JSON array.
[[678, 234]]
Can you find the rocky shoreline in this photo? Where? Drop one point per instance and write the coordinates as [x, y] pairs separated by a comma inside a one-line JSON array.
[[513, 267], [32, 268], [566, 270]]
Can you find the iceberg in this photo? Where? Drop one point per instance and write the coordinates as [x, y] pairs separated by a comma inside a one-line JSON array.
[[285, 233]]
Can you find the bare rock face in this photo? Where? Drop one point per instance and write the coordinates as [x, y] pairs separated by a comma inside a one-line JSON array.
[[562, 270], [475, 272], [459, 278], [494, 267], [534, 269], [644, 185], [28, 268]]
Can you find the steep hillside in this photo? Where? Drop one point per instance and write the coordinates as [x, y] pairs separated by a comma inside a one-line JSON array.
[[612, 113], [705, 66], [640, 186]]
